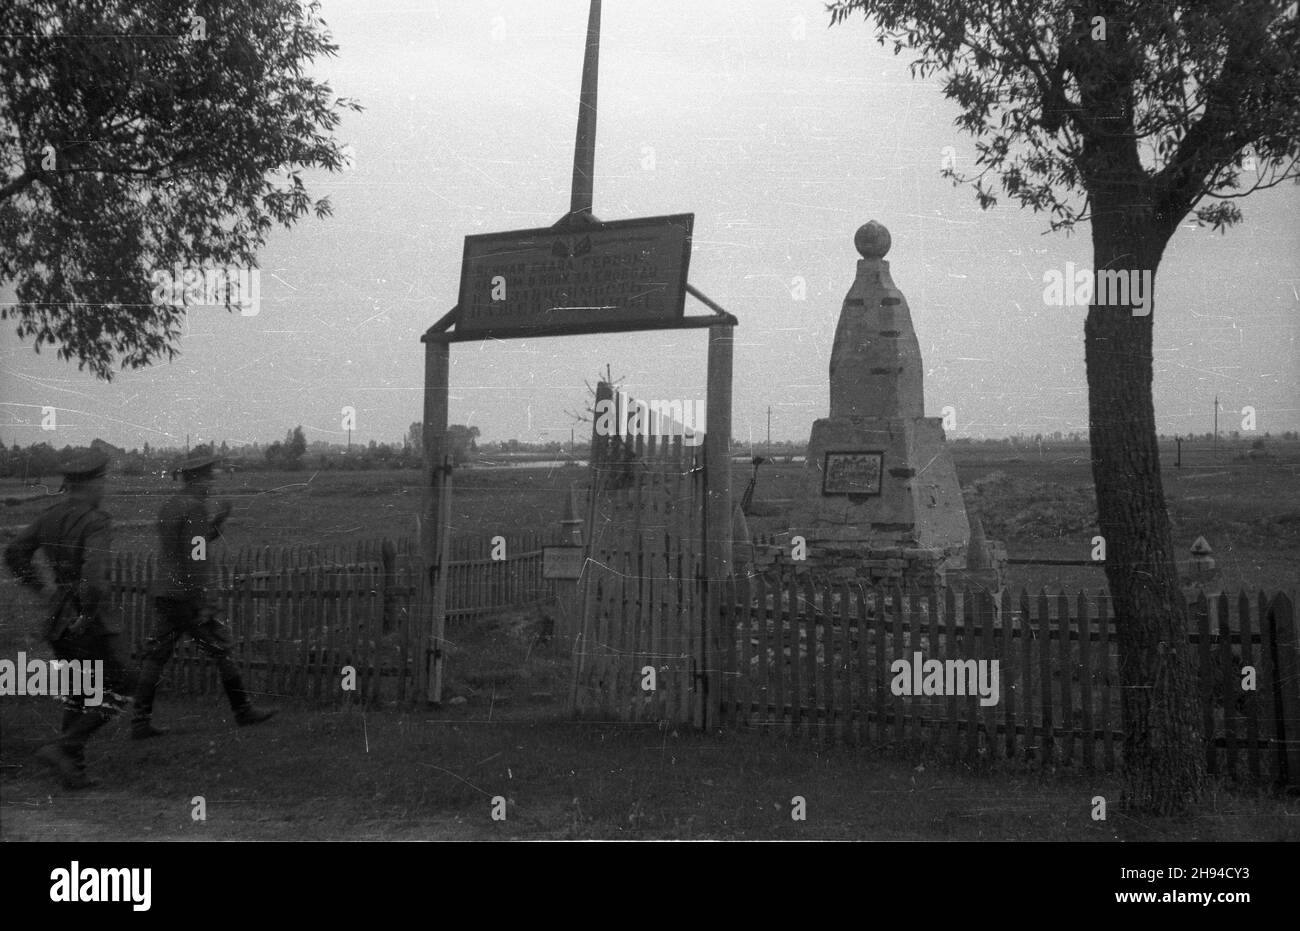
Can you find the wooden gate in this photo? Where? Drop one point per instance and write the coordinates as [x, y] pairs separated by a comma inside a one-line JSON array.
[[642, 649]]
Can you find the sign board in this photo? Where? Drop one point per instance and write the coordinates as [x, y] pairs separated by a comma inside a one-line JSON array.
[[563, 562], [852, 473], [623, 273]]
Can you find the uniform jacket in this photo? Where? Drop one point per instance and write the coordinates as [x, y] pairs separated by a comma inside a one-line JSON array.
[[184, 517], [77, 543]]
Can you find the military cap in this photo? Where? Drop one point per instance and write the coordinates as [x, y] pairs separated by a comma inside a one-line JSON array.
[[196, 465], [83, 465]]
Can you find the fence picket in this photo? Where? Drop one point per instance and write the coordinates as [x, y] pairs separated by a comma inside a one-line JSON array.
[[1248, 658], [745, 616], [808, 614], [789, 639], [898, 650], [768, 714], [1066, 673], [1104, 620], [1085, 679], [846, 657], [1200, 613], [1045, 671], [1006, 656], [954, 653], [865, 633], [984, 605], [1231, 684], [969, 643]]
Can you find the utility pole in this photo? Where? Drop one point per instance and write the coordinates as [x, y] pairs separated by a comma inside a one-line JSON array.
[[1216, 423], [769, 428]]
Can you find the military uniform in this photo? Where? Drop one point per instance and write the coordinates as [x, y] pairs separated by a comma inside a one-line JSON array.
[[183, 603], [75, 536]]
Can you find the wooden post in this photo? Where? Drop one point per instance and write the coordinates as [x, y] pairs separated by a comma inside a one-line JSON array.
[[718, 517], [435, 517], [440, 582], [1284, 641]]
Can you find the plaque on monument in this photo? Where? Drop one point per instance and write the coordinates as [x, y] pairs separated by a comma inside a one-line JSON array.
[[852, 473], [623, 273]]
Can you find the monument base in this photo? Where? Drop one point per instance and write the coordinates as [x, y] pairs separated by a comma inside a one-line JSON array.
[[865, 563], [916, 501]]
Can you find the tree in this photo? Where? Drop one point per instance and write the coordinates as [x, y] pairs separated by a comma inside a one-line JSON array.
[[460, 442], [287, 454], [295, 446], [1132, 116], [138, 140]]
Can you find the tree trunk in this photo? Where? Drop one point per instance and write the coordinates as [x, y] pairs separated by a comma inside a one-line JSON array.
[[1164, 751]]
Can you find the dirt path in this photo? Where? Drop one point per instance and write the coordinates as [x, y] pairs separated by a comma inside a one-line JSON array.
[[97, 815]]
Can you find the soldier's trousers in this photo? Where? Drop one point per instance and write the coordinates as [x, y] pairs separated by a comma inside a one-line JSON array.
[[197, 618], [80, 720]]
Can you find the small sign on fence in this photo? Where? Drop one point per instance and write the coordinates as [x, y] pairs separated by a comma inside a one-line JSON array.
[[562, 562]]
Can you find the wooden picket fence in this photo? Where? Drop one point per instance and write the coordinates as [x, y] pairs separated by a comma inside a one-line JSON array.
[[814, 658], [477, 584], [300, 614]]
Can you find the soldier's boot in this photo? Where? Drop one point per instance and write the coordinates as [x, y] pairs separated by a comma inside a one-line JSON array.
[[67, 755], [141, 726], [246, 712], [76, 749]]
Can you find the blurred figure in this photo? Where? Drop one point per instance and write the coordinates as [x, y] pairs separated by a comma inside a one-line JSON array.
[[184, 604], [75, 537]]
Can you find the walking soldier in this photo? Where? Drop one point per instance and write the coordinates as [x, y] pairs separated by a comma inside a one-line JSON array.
[[75, 537], [183, 599]]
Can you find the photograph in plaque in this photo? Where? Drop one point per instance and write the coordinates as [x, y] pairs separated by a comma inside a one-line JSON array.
[[852, 473]]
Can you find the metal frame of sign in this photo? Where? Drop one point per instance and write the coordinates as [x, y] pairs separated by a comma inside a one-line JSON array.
[[826, 472], [666, 240]]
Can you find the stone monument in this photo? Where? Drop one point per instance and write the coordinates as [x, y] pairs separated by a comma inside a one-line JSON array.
[[882, 502]]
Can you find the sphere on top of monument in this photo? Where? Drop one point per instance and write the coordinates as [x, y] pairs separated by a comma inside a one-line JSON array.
[[872, 240]]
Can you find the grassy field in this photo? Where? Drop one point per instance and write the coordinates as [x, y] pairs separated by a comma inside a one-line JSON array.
[[1038, 502], [344, 774], [328, 508]]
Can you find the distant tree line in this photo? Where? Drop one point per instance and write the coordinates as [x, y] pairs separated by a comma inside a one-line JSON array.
[[293, 453]]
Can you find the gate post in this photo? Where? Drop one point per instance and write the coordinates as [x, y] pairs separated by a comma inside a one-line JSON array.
[[717, 522], [432, 536]]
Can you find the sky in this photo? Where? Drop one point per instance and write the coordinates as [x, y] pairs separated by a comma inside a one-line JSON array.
[[780, 134]]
